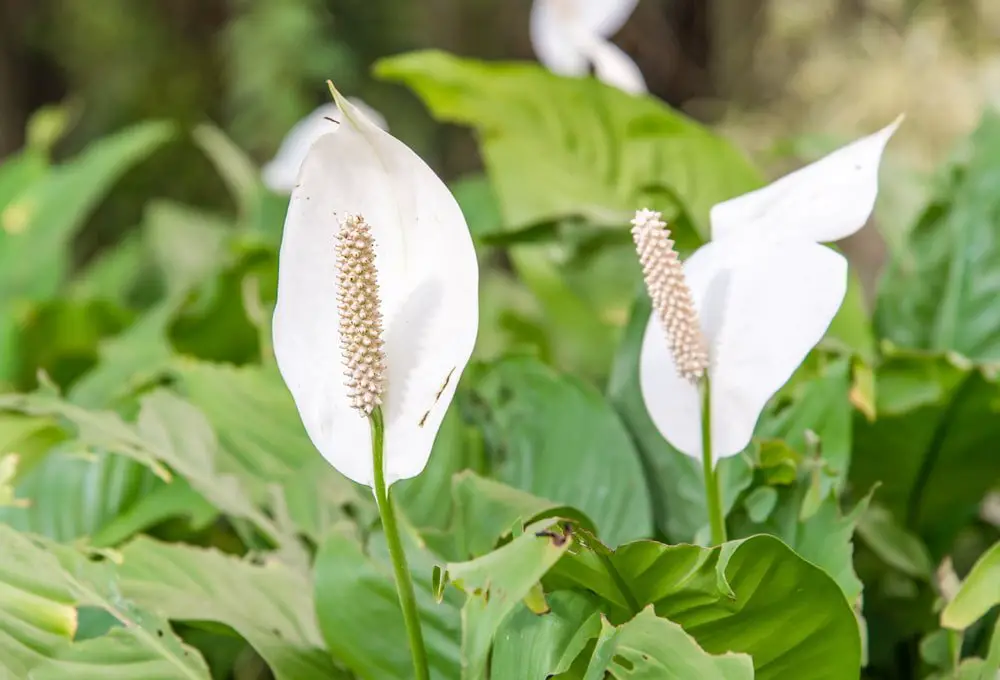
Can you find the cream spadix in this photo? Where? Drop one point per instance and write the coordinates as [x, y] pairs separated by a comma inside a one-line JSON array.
[[377, 298], [765, 292]]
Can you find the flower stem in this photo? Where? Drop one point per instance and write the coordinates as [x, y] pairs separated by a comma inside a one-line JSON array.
[[404, 585], [713, 498]]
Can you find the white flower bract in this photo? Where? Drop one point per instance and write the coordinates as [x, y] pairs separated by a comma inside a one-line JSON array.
[[570, 36], [281, 172], [420, 252], [765, 291]]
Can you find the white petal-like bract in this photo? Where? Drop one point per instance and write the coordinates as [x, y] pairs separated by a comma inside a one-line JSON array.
[[613, 67], [766, 291], [825, 201], [281, 172], [428, 285], [763, 309], [569, 36]]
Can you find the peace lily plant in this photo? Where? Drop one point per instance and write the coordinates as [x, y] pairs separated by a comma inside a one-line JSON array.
[[376, 313], [571, 36], [731, 325]]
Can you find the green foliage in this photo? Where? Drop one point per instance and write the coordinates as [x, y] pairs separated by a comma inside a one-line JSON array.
[[939, 294], [163, 513]]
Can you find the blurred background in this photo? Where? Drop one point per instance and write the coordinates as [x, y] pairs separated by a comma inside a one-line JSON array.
[[784, 78]]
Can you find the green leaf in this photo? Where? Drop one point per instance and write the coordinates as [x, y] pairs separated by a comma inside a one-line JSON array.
[[894, 545], [487, 511], [37, 608], [361, 620], [936, 417], [755, 597], [128, 360], [656, 649], [34, 257], [939, 294], [558, 147], [38, 614], [269, 605], [980, 591], [73, 495], [558, 439], [253, 414], [262, 441], [122, 652], [530, 645], [678, 490], [581, 341], [496, 582]]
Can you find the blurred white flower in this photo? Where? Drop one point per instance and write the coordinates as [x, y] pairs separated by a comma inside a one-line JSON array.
[[570, 36], [765, 292], [377, 298], [281, 172]]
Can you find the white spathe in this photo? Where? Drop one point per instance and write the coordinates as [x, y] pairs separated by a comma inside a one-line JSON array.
[[766, 292], [281, 172], [428, 281], [570, 36]]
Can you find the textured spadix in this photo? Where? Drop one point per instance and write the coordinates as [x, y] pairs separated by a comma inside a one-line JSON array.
[[570, 36], [427, 279], [765, 291]]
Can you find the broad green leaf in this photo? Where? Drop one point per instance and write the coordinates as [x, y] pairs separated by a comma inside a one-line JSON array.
[[61, 338], [37, 607], [38, 614], [72, 495], [487, 511], [980, 591], [754, 596], [34, 256], [894, 545], [361, 620], [169, 229], [496, 582], [558, 439], [530, 645], [93, 430], [269, 605], [581, 340], [264, 443], [253, 414], [113, 274], [652, 648], [130, 359], [165, 501], [939, 294], [122, 654], [936, 417], [677, 483], [178, 434], [558, 147]]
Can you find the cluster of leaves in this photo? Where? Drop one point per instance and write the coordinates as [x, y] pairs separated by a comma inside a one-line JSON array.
[[163, 514]]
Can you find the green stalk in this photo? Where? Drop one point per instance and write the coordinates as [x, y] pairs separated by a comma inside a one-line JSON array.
[[404, 585], [713, 498]]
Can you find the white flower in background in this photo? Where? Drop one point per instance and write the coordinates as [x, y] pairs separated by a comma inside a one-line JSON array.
[[570, 36], [377, 298], [281, 172], [764, 292]]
